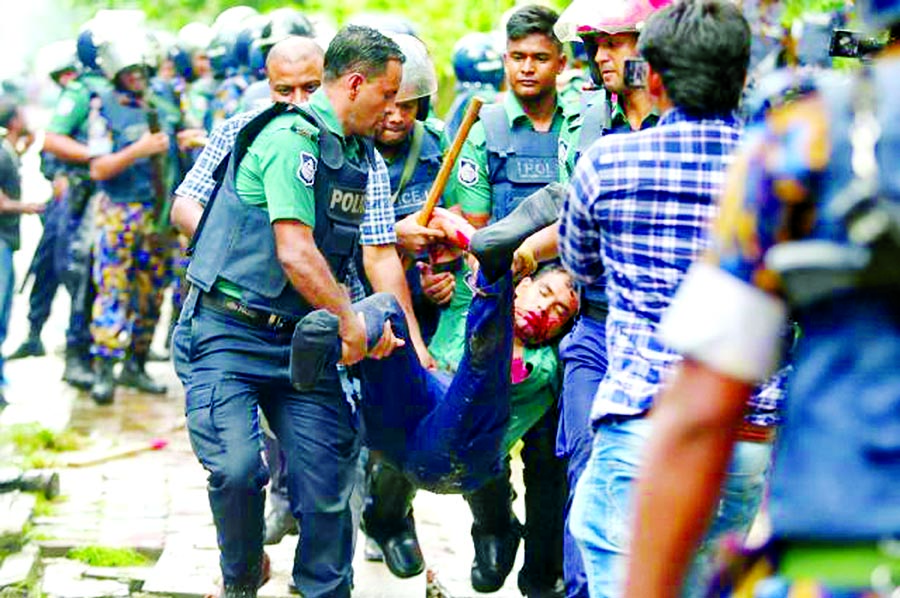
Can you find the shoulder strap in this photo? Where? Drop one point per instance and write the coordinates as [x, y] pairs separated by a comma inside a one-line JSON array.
[[242, 143], [412, 158], [496, 129], [596, 118]]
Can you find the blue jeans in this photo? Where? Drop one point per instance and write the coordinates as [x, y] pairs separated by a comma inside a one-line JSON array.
[[229, 369], [7, 289], [601, 517], [445, 434], [583, 353]]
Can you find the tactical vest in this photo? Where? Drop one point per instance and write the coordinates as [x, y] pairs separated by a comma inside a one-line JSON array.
[[413, 194], [839, 456], [12, 188], [126, 124], [236, 242], [520, 161]]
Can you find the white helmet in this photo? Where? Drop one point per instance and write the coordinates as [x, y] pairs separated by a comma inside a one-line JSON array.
[[418, 79]]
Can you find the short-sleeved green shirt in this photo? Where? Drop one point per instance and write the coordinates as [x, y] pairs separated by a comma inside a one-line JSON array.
[[74, 104], [530, 398], [474, 188], [279, 169]]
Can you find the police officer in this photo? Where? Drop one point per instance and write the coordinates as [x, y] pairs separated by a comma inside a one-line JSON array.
[[280, 233], [194, 40], [65, 149], [809, 226], [131, 256], [50, 255], [512, 152]]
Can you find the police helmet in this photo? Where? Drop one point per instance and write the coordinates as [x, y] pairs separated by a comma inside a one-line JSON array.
[[128, 49], [58, 58], [384, 22], [105, 24], [226, 28], [194, 37], [583, 20], [478, 59], [419, 81], [249, 34], [86, 45]]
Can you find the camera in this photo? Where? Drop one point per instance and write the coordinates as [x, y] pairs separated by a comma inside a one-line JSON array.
[[852, 44], [636, 72]]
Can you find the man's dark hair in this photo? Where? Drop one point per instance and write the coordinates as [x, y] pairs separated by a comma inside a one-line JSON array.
[[532, 19], [359, 49], [701, 48]]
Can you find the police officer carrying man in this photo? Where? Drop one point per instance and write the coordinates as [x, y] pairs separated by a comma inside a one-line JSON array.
[[279, 235], [512, 152], [130, 259], [808, 226]]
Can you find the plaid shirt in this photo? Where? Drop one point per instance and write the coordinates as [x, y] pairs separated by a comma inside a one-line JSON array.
[[377, 227], [641, 205]]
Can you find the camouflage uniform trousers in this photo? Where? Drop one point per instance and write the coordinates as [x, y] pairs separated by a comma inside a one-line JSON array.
[[132, 268]]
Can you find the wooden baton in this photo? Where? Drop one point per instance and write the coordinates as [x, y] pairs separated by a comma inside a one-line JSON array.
[[440, 181]]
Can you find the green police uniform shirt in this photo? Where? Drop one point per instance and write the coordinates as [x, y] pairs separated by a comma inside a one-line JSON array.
[[278, 172], [529, 399], [71, 112], [471, 171]]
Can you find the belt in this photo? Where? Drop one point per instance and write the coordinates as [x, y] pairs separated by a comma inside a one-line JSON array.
[[257, 318], [594, 311], [748, 432]]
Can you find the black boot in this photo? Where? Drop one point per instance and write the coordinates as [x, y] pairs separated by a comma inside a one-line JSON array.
[[134, 375], [104, 386], [495, 533], [30, 347], [388, 519], [78, 371]]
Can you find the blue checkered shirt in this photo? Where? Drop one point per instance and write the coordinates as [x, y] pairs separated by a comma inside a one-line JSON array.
[[377, 227], [638, 212]]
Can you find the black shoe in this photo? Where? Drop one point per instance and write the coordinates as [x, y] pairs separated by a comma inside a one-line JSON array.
[[494, 245], [78, 372], [104, 387], [530, 589], [135, 376], [279, 523], [402, 553], [30, 347], [495, 555]]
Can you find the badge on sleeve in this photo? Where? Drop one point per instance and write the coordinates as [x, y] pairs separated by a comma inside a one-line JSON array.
[[468, 172], [65, 106], [306, 172]]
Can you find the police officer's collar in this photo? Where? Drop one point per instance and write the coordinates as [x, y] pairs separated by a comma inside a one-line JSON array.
[[515, 112], [319, 102], [619, 118]]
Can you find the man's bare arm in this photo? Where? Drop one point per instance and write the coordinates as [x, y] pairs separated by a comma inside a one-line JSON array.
[[185, 214], [66, 148], [686, 460]]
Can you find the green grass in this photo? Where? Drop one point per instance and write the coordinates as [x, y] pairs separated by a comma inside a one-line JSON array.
[[31, 446], [104, 556]]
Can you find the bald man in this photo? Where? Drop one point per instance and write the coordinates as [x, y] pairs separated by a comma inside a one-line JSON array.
[[294, 71]]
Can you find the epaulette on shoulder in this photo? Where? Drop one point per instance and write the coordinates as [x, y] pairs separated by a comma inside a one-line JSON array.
[[434, 125], [301, 126]]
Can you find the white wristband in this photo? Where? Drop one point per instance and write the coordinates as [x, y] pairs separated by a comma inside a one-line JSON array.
[[725, 323]]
